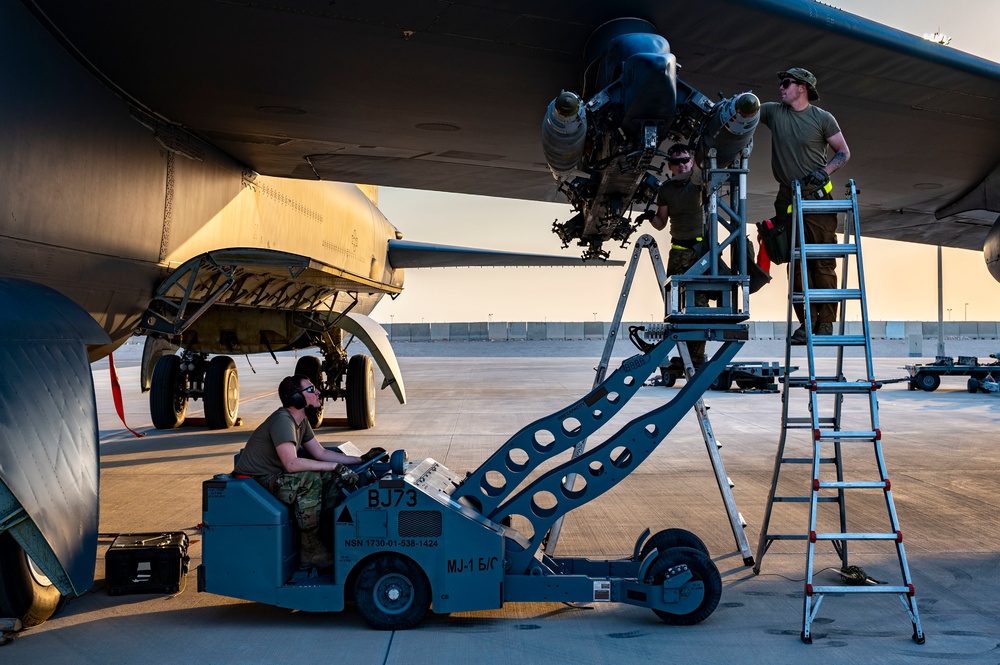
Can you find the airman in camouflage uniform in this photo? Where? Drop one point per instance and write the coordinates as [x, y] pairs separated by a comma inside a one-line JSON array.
[[679, 202], [306, 483]]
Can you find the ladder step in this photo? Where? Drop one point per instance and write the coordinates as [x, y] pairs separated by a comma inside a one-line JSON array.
[[878, 588], [808, 460], [851, 485], [809, 421], [828, 250], [830, 434], [839, 340], [826, 206], [845, 386], [857, 536], [805, 499], [828, 295], [787, 536]]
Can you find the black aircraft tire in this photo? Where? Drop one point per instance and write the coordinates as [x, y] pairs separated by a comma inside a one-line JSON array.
[[723, 382], [973, 385], [392, 593], [360, 392], [927, 381], [167, 408], [222, 393], [22, 595], [702, 568], [670, 538], [312, 367]]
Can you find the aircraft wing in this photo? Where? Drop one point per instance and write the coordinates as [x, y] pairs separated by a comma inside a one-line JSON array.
[[409, 254], [450, 96]]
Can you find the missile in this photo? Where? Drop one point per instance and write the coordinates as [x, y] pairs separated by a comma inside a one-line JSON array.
[[729, 128], [564, 132]]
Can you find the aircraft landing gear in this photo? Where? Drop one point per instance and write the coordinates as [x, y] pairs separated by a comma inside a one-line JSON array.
[[221, 393], [312, 367], [25, 592], [360, 392], [168, 398], [337, 377], [178, 379]]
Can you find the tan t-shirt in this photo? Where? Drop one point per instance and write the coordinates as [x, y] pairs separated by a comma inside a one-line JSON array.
[[798, 139]]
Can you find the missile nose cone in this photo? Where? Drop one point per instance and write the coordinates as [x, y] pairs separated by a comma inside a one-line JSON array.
[[567, 103], [747, 104]]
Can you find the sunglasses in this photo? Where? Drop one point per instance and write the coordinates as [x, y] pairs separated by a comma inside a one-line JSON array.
[[310, 389], [677, 161], [787, 82]]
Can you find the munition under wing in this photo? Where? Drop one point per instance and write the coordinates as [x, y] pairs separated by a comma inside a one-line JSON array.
[[604, 151]]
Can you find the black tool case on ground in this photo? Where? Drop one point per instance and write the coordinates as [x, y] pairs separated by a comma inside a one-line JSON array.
[[146, 563]]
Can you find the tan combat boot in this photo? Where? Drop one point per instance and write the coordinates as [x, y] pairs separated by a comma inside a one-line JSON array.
[[313, 553]]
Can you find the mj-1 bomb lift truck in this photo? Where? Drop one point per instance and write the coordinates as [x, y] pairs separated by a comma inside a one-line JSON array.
[[414, 535]]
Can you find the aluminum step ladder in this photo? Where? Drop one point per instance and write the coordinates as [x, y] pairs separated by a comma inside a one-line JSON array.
[[842, 414]]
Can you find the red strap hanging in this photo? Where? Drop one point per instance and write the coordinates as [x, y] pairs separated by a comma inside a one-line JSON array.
[[116, 394]]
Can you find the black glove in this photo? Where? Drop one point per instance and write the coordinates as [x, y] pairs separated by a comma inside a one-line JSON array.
[[816, 179], [645, 217], [374, 453], [345, 477]]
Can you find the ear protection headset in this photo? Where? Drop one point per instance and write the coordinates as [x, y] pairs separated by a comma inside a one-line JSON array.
[[289, 394]]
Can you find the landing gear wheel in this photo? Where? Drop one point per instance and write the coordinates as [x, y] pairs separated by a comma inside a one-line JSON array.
[[670, 538], [973, 385], [722, 382], [167, 403], [25, 592], [360, 392], [927, 381], [702, 569], [392, 593], [222, 393], [312, 367]]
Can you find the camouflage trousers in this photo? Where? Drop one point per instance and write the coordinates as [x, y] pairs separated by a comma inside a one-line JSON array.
[[822, 273], [308, 493]]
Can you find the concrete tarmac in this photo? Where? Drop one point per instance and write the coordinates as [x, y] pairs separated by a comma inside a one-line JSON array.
[[940, 448]]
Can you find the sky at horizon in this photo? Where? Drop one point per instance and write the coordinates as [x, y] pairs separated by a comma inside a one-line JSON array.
[[901, 277]]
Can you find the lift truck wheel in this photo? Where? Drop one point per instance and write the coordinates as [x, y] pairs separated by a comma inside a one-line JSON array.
[[312, 367], [702, 568], [167, 404], [392, 593], [360, 392], [670, 538], [222, 393], [668, 377], [927, 381], [25, 592], [973, 385]]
